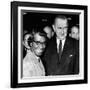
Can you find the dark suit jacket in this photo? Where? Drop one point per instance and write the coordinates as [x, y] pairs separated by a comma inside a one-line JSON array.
[[69, 62]]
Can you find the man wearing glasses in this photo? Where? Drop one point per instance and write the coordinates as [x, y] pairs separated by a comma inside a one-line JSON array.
[[32, 64]]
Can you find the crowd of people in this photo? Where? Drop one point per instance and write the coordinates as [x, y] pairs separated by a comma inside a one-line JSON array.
[[49, 50]]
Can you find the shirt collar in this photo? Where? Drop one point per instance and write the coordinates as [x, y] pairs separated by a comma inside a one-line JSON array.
[[33, 54], [58, 41]]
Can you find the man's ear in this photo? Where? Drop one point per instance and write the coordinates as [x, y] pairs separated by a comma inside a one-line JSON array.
[[53, 33], [53, 27]]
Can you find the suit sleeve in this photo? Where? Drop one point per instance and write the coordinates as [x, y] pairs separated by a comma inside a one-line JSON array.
[[76, 61]]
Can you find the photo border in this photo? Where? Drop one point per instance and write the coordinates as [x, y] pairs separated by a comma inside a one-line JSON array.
[[14, 43]]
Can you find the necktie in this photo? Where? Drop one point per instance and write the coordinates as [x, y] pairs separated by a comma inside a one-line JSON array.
[[60, 49]]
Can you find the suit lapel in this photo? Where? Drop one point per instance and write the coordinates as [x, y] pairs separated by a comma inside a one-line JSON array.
[[65, 51], [53, 50], [66, 46], [53, 46]]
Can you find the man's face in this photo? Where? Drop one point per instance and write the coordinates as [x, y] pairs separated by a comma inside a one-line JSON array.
[[60, 28], [38, 44]]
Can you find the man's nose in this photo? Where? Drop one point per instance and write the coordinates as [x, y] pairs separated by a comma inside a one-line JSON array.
[[61, 31]]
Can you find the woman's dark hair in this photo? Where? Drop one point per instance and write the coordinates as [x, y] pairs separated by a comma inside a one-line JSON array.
[[36, 30], [40, 31]]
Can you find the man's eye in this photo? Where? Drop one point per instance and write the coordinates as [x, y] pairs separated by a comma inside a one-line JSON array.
[[60, 28]]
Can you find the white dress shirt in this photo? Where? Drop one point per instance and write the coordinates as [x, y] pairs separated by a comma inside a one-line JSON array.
[[58, 41]]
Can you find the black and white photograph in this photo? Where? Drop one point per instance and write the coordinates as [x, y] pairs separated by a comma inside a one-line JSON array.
[[49, 44]]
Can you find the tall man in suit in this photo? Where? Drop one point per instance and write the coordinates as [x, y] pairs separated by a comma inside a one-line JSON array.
[[62, 54]]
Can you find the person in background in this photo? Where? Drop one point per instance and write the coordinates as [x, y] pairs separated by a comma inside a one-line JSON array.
[[74, 32], [32, 64], [62, 55], [48, 30]]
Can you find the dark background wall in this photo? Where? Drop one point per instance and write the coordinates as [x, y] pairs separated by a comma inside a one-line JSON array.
[[31, 19]]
